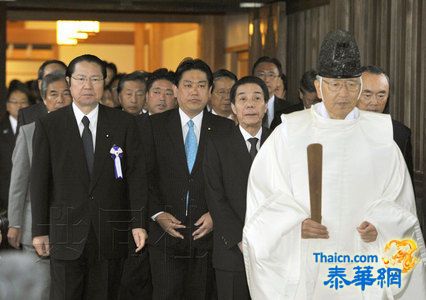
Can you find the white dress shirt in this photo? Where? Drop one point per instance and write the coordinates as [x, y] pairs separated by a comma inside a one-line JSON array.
[[13, 123], [184, 119], [248, 136], [271, 110], [93, 118]]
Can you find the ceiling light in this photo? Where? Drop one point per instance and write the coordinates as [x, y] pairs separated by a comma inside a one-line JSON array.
[[251, 4]]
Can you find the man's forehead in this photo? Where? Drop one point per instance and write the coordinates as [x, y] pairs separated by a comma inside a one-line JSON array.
[[194, 73], [57, 84], [249, 88], [266, 66], [374, 80], [162, 83], [134, 83], [86, 66]]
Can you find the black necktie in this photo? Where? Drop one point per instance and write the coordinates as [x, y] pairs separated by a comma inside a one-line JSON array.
[[88, 144], [253, 148]]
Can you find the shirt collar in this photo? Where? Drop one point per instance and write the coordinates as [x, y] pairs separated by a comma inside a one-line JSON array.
[[13, 123], [354, 114], [184, 118], [247, 135], [93, 115]]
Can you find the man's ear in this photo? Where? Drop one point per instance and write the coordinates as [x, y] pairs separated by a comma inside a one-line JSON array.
[[317, 87], [234, 110]]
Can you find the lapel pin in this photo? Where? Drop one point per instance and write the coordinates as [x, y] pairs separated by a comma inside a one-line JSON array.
[[5, 131], [209, 129], [107, 135]]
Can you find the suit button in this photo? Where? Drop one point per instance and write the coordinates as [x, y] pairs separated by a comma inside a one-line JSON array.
[[90, 197], [191, 179]]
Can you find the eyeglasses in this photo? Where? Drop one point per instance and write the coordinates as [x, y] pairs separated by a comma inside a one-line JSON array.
[[222, 93], [83, 79], [336, 85], [268, 75]]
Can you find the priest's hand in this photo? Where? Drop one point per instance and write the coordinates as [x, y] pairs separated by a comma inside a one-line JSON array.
[[169, 224], [367, 231], [41, 245], [313, 230], [139, 236], [206, 225]]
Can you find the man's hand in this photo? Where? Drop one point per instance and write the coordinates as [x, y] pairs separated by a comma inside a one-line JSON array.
[[206, 225], [139, 236], [41, 245], [14, 237], [0, 237], [240, 245], [169, 224], [313, 230], [367, 231]]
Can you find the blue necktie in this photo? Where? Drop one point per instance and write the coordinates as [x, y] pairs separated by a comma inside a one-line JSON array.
[[191, 153], [191, 146]]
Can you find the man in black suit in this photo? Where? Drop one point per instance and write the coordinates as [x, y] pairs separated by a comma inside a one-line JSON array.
[[180, 239], [269, 69], [374, 97], [88, 186], [226, 166], [33, 112], [160, 95], [17, 98]]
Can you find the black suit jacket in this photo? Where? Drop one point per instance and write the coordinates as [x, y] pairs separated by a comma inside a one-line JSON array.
[[288, 109], [31, 113], [280, 106], [402, 137], [226, 166], [65, 201], [170, 180], [7, 143]]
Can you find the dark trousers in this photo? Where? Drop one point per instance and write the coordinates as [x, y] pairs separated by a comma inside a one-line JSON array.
[[232, 285], [87, 277], [136, 281], [180, 277]]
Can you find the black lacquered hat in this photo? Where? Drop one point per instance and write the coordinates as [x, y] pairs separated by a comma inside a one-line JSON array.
[[339, 56]]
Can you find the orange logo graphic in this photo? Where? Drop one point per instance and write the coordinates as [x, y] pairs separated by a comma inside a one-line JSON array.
[[401, 254]]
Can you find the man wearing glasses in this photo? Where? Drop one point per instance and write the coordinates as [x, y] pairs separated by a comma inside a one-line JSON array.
[[88, 186], [269, 69], [220, 102], [367, 195]]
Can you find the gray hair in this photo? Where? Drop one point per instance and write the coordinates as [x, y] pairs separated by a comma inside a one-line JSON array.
[[48, 79]]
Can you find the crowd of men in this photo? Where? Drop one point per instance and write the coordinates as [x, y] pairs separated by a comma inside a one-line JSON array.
[[134, 186]]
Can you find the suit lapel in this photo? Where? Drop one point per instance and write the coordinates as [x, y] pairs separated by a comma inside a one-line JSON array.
[[76, 150], [241, 152], [174, 129], [264, 136], [102, 146]]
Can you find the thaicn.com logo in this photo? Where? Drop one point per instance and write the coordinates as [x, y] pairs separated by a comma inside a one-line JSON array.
[[399, 258]]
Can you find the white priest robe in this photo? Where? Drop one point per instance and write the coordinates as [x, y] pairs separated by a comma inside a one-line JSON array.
[[364, 179]]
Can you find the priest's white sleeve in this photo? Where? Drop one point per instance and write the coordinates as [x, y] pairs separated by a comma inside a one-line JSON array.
[[394, 216], [272, 232]]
